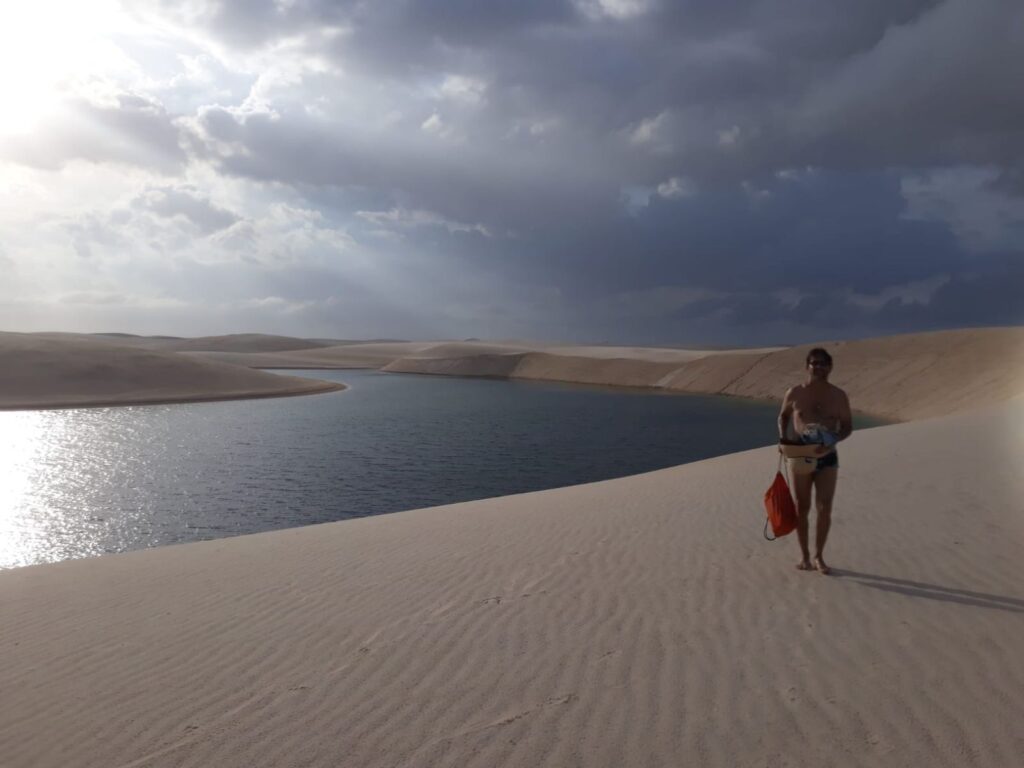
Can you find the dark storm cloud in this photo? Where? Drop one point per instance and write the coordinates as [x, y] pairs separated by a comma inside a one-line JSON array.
[[731, 98], [843, 85], [986, 294], [821, 233], [1010, 180], [468, 184], [259, 21], [945, 89], [847, 83], [468, 22]]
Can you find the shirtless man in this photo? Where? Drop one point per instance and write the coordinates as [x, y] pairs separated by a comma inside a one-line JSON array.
[[819, 411]]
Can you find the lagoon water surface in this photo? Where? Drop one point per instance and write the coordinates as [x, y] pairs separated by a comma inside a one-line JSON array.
[[82, 482]]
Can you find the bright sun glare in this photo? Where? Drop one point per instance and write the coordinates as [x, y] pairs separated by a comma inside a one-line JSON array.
[[50, 49], [21, 441]]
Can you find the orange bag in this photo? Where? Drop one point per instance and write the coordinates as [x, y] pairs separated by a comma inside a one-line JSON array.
[[778, 503]]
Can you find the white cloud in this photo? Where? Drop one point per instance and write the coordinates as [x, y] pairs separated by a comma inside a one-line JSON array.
[[796, 174], [754, 193], [290, 236], [433, 124], [51, 51], [635, 197], [436, 126], [614, 9], [660, 301], [115, 298], [540, 127], [965, 198], [915, 292], [199, 69], [676, 187], [652, 132], [108, 125], [401, 218], [279, 305], [789, 297], [729, 137], [535, 128], [188, 203], [470, 90]]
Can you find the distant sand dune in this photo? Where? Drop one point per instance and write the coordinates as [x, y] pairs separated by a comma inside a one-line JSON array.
[[236, 342], [417, 356], [369, 355], [899, 377], [40, 372], [544, 367], [241, 342]]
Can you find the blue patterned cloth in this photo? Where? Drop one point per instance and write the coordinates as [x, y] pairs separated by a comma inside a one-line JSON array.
[[815, 434]]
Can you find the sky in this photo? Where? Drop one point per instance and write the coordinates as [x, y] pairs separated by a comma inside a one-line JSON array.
[[704, 172]]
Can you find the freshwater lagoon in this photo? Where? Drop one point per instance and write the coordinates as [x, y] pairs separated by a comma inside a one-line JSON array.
[[84, 482]]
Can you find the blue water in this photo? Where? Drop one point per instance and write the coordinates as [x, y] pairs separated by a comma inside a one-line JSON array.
[[86, 482]]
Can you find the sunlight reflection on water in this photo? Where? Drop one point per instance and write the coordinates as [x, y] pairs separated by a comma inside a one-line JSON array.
[[22, 441], [53, 468]]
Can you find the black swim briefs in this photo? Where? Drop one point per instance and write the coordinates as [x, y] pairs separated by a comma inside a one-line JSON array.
[[828, 460]]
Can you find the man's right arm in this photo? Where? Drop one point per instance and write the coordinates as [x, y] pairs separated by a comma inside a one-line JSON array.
[[786, 413]]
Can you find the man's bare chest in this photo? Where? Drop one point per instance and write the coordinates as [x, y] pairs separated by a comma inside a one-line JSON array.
[[815, 406]]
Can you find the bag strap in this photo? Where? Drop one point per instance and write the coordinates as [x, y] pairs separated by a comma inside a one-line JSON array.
[[787, 473]]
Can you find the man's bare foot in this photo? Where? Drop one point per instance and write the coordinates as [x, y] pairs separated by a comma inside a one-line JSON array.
[[804, 565], [819, 564]]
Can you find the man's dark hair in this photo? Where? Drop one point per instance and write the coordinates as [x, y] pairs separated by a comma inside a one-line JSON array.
[[818, 352]]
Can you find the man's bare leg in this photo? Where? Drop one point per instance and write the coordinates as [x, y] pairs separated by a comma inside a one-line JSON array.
[[824, 493], [802, 485]]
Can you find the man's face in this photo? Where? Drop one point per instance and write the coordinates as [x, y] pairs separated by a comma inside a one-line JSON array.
[[819, 367]]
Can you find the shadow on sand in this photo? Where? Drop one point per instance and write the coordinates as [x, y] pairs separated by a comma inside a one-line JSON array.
[[933, 591]]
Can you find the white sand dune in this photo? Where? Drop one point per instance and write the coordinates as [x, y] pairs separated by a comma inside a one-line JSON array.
[[435, 356], [41, 372], [242, 342], [609, 366], [363, 355], [634, 622], [899, 377], [120, 339], [902, 377], [235, 343], [651, 354]]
